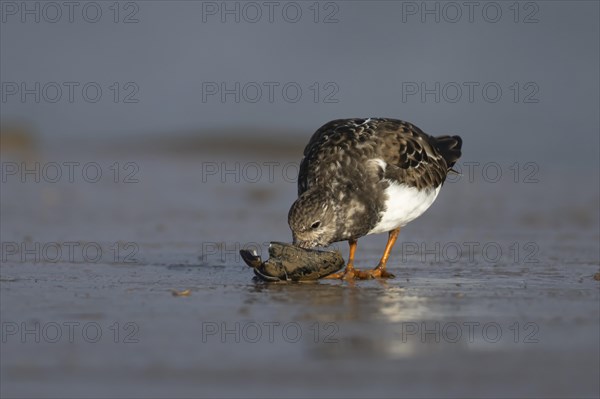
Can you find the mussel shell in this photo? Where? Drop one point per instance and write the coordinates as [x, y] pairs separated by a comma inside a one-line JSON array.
[[288, 262]]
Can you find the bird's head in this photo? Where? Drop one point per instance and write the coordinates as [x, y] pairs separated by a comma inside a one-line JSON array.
[[312, 219]]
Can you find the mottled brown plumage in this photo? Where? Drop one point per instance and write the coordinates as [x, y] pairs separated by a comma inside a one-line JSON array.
[[413, 157]]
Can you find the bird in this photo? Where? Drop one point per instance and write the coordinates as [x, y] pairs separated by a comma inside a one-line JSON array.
[[364, 176]]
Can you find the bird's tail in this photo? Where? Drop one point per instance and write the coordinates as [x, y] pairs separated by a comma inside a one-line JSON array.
[[449, 147]]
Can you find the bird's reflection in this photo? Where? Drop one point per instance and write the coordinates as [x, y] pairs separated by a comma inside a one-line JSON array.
[[374, 319], [369, 315]]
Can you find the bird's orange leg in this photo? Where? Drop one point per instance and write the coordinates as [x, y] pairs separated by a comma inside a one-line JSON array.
[[350, 273], [379, 271]]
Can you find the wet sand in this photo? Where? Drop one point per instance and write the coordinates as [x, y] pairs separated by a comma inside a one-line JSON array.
[[494, 294]]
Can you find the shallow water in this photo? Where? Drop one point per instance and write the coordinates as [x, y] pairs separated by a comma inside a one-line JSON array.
[[494, 292]]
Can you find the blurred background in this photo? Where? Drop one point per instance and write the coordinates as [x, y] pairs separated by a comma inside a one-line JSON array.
[[144, 143]]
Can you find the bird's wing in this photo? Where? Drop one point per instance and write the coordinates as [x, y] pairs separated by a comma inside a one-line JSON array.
[[411, 155], [380, 149]]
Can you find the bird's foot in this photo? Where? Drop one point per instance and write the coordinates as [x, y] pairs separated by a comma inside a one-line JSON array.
[[350, 273], [380, 272]]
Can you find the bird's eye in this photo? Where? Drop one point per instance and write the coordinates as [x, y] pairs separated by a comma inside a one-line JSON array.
[[315, 225]]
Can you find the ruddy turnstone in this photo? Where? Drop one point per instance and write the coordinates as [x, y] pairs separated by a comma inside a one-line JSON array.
[[367, 176]]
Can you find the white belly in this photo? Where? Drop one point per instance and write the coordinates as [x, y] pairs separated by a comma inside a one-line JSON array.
[[403, 204]]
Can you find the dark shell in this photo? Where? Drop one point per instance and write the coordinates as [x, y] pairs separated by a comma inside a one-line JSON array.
[[288, 262]]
